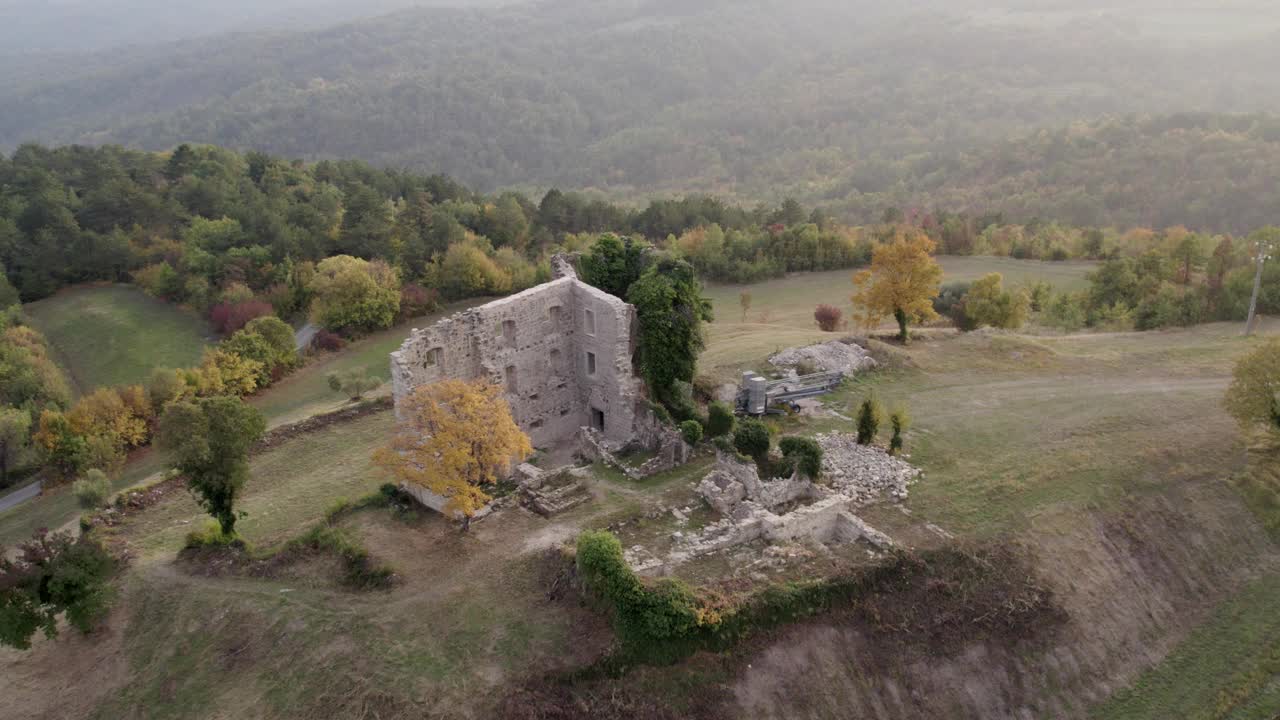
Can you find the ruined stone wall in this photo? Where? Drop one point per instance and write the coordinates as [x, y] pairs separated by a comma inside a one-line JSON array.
[[562, 351]]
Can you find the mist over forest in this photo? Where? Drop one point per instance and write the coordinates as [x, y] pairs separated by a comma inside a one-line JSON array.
[[1093, 113]]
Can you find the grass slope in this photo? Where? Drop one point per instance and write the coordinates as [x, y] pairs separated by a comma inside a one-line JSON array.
[[1228, 669], [306, 392], [781, 313], [116, 335]]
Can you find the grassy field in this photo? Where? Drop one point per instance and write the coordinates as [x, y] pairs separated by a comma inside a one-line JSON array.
[[781, 313], [291, 486], [58, 507], [306, 392], [1229, 669], [116, 335], [1103, 417]]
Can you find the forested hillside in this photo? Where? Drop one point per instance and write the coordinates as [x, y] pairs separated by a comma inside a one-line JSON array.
[[855, 105]]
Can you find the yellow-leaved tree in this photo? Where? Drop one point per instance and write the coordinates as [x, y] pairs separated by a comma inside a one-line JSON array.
[[455, 439], [902, 283]]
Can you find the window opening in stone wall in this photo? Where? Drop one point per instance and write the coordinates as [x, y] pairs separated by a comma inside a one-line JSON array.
[[509, 333], [589, 321], [434, 356], [555, 361], [554, 316], [591, 363], [513, 385], [597, 419]]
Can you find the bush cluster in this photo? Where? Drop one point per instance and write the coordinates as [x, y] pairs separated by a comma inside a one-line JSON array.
[[720, 420], [691, 431], [803, 454], [752, 439]]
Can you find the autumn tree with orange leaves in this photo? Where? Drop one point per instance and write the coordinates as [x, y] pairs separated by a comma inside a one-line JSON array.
[[455, 438], [902, 283]]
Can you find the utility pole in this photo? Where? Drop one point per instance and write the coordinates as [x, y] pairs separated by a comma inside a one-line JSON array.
[[1264, 247]]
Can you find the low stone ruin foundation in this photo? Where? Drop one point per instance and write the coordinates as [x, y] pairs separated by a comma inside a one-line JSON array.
[[794, 509]]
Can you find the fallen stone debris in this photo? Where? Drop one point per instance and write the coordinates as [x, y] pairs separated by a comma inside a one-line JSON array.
[[786, 511], [863, 472]]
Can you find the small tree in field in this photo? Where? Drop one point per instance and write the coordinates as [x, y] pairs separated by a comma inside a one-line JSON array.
[[899, 420], [456, 438], [744, 302], [352, 383], [91, 491], [902, 282], [828, 317], [1253, 398], [869, 416], [52, 576], [209, 440]]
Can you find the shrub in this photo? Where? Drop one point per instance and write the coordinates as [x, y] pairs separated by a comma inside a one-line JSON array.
[[691, 431], [948, 295], [328, 341], [679, 400], [899, 420], [725, 445], [828, 317], [227, 318], [354, 294], [211, 536], [91, 491], [353, 383], [752, 439], [869, 416], [1168, 307], [1039, 293], [416, 301], [645, 618], [988, 303], [807, 367], [1066, 311], [719, 420], [805, 454]]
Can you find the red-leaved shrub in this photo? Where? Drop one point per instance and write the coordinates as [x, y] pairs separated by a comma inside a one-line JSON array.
[[416, 300], [327, 341], [828, 317], [227, 319]]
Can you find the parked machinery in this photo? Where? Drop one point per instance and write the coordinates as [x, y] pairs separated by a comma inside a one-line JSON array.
[[759, 396]]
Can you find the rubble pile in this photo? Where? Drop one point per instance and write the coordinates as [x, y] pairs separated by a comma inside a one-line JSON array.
[[752, 510], [863, 472], [826, 357]]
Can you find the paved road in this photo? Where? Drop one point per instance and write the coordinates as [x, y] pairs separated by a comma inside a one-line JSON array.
[[19, 496]]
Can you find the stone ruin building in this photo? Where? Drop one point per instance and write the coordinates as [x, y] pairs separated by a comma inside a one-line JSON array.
[[562, 351]]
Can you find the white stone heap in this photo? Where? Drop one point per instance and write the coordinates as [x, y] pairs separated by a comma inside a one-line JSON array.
[[826, 357], [863, 472]]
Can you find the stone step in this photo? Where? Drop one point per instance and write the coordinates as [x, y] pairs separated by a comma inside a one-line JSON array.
[[553, 501]]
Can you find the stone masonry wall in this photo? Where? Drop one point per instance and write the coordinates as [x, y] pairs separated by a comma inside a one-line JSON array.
[[561, 350]]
